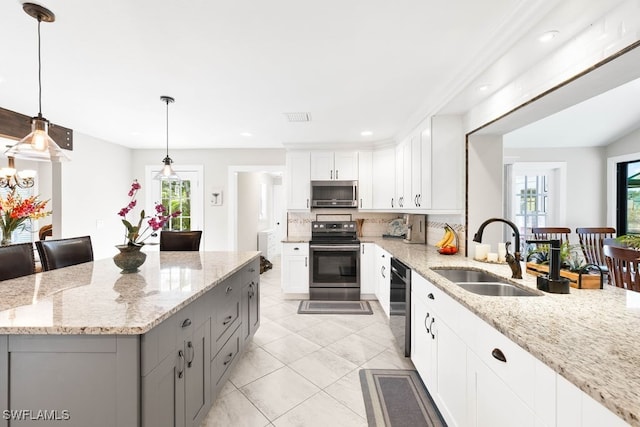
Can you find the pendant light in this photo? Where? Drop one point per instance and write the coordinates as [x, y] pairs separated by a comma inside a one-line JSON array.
[[167, 172], [38, 145]]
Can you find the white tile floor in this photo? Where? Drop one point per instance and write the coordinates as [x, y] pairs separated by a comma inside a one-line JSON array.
[[302, 369]]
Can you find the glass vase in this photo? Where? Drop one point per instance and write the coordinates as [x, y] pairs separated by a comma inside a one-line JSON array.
[[6, 237], [129, 258]]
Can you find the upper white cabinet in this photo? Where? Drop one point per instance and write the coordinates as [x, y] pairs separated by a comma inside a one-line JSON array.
[[384, 178], [447, 155], [365, 180], [298, 180], [330, 165]]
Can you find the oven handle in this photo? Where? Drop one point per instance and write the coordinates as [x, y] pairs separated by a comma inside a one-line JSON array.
[[336, 247]]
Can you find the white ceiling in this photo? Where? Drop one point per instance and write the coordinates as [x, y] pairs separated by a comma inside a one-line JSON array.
[[237, 66]]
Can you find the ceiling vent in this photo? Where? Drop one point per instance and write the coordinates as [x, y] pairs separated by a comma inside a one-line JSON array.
[[298, 117]]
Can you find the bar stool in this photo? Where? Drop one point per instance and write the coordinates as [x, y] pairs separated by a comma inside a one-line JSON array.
[[64, 252], [548, 233], [16, 261], [592, 240], [624, 267], [180, 240]]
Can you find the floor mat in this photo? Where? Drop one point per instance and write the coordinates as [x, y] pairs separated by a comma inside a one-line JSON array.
[[396, 398], [334, 307]]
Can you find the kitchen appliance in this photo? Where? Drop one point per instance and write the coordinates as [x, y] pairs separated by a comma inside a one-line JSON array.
[[416, 228], [334, 255], [400, 305], [334, 194]]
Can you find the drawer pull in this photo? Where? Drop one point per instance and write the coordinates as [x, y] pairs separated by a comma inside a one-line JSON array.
[[431, 296], [186, 323], [229, 359], [229, 289], [433, 336], [296, 249], [227, 320], [181, 363], [498, 354], [426, 318]]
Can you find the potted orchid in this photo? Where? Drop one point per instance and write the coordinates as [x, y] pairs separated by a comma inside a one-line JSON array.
[[130, 257], [15, 211]]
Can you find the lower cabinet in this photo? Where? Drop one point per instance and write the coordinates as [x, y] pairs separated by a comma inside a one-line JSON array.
[[383, 279], [368, 279], [295, 268], [187, 358]]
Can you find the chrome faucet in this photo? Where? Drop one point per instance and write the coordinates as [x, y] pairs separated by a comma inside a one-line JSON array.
[[512, 260]]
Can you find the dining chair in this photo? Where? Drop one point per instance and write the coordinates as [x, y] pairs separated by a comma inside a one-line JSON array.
[[180, 240], [64, 252], [16, 261], [624, 267], [592, 241], [548, 233], [45, 231]]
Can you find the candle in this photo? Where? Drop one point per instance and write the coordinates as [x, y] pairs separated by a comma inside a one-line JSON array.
[[502, 252], [481, 251], [492, 257]]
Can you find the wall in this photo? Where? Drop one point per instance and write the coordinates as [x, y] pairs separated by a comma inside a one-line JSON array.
[[249, 205], [94, 186], [629, 144], [216, 164], [585, 187]]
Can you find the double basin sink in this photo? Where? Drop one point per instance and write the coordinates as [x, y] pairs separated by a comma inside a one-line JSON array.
[[483, 283]]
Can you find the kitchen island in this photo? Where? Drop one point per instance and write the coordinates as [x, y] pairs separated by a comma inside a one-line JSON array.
[[86, 345], [588, 337]]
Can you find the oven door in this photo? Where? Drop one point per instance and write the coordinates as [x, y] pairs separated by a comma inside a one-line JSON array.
[[334, 266]]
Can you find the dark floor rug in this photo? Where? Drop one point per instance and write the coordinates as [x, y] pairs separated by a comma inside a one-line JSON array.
[[334, 307], [398, 398]]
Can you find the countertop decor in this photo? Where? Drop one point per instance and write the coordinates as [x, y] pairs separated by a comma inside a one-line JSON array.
[[15, 211]]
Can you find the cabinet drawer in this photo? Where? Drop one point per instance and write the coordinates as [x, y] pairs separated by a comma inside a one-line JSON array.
[[225, 317], [517, 369], [251, 272], [224, 360], [289, 249]]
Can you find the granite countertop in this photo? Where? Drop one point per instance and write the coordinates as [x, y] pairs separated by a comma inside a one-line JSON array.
[[94, 298], [590, 336]]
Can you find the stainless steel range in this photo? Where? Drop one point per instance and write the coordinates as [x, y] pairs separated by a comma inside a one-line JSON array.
[[334, 253]]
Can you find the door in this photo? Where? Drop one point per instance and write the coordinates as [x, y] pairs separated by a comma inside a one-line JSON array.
[[423, 344], [451, 369], [335, 266], [279, 216]]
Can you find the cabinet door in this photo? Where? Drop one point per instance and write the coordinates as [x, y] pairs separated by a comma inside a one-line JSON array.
[[365, 180], [423, 344], [295, 268], [383, 270], [399, 176], [250, 310], [298, 180], [368, 279], [162, 392], [424, 196], [451, 373], [322, 166], [345, 165], [384, 179], [197, 375], [492, 402], [447, 163]]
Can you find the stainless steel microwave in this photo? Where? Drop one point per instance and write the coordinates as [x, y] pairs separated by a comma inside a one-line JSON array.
[[334, 194]]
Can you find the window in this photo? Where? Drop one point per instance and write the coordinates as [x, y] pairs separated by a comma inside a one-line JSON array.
[[176, 196], [628, 194], [26, 232]]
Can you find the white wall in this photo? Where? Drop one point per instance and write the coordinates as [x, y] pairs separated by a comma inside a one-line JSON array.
[[586, 190], [94, 186], [629, 144], [216, 164], [249, 204]]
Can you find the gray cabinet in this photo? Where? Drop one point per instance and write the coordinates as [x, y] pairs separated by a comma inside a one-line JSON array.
[[250, 302]]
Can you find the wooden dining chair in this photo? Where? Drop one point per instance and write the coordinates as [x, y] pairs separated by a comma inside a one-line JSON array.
[[548, 233], [180, 240], [624, 267], [592, 241], [64, 252], [16, 261]]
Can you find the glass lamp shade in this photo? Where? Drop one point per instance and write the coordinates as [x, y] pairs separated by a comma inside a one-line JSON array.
[[38, 145], [167, 172]]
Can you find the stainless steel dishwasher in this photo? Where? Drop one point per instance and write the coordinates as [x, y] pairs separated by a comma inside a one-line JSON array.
[[400, 305]]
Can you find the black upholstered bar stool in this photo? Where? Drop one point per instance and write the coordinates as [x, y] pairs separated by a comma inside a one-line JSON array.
[[64, 252], [16, 261], [180, 240]]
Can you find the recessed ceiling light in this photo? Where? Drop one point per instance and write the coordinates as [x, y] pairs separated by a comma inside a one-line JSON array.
[[366, 133], [548, 36], [247, 134]]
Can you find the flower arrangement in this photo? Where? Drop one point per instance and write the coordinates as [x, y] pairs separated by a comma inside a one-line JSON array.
[[136, 235], [15, 211]]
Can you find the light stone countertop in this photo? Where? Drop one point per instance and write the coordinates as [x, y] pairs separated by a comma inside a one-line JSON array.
[[591, 337], [94, 298]]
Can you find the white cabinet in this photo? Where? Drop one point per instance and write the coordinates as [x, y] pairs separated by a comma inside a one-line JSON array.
[[365, 180], [329, 165], [368, 279], [423, 344], [383, 278], [298, 180], [384, 178], [576, 408], [423, 195], [268, 244], [295, 268], [447, 157]]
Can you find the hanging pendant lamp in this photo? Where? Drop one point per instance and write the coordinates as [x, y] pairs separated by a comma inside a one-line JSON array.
[[38, 145], [167, 172]]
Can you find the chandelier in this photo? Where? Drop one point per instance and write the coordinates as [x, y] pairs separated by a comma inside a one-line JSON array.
[[11, 178]]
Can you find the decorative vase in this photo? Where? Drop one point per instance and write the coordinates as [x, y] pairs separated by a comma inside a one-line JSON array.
[[6, 237], [129, 258]]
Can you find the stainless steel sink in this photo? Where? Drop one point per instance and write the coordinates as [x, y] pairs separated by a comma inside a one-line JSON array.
[[496, 289], [484, 283], [465, 275]]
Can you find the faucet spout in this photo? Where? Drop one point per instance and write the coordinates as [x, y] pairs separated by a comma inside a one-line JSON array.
[[512, 260]]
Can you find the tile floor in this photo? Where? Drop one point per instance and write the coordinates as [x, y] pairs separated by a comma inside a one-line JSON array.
[[302, 369]]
